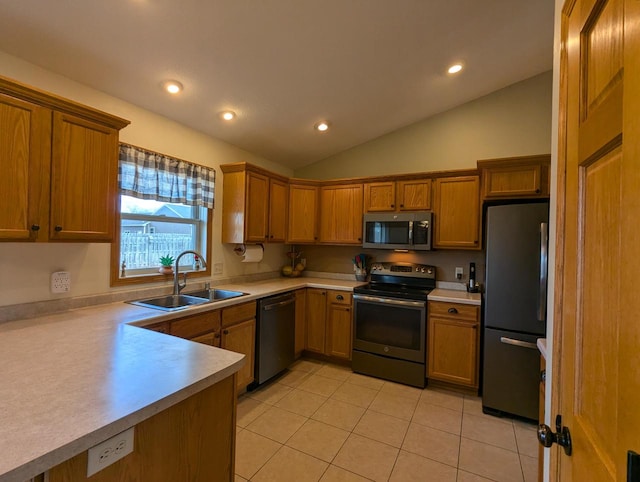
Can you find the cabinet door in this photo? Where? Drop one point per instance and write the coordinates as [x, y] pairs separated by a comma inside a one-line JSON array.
[[303, 214], [25, 148], [84, 166], [241, 338], [453, 351], [278, 194], [516, 181], [300, 321], [379, 197], [191, 326], [316, 308], [211, 339], [341, 214], [257, 208], [339, 326], [414, 195], [457, 213]]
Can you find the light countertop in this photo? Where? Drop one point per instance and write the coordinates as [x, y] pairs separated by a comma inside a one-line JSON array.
[[73, 379], [455, 296]]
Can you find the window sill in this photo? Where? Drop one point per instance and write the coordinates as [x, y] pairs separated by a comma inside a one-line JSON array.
[[155, 277]]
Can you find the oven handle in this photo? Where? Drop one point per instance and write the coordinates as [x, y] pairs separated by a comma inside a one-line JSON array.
[[390, 301]]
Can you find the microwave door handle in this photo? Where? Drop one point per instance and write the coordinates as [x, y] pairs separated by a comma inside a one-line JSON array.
[[542, 297], [410, 233]]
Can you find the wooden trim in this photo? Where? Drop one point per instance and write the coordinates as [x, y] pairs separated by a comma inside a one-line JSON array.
[[514, 161], [245, 166], [31, 94]]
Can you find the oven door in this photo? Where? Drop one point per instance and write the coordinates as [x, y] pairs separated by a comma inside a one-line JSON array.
[[390, 327]]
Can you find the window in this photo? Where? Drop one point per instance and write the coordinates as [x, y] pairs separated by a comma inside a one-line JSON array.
[[165, 208]]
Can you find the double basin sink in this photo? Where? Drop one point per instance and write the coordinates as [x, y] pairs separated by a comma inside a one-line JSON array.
[[177, 302]]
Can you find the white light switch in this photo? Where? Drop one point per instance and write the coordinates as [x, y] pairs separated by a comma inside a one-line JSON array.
[[60, 282]]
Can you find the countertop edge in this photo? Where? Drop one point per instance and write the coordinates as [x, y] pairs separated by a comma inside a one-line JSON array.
[[542, 346], [455, 296]]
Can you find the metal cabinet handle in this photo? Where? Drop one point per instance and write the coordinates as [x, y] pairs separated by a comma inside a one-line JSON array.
[[57, 229], [393, 205], [339, 297], [452, 310], [217, 335], [35, 227], [401, 205], [225, 332]]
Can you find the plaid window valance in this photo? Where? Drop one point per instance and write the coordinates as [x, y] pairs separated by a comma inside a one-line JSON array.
[[150, 175]]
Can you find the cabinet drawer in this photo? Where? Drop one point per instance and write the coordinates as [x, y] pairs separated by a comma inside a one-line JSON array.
[[456, 311], [238, 313], [211, 339], [162, 327], [195, 325], [339, 297]]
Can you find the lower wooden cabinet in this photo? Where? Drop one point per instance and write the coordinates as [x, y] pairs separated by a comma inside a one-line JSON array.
[[329, 322], [453, 341]]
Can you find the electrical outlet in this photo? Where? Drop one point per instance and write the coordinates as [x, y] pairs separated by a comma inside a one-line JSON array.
[[109, 451], [217, 268], [459, 273], [60, 282]]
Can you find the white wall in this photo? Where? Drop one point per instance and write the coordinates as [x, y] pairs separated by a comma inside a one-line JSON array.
[[26, 267], [513, 121]]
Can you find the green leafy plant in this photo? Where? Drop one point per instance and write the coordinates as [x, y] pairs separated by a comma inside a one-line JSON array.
[[166, 260]]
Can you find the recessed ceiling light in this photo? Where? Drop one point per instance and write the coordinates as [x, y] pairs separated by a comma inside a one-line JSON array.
[[172, 86], [228, 115], [322, 126], [455, 68]]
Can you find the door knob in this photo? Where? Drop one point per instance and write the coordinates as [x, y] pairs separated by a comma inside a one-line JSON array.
[[562, 436]]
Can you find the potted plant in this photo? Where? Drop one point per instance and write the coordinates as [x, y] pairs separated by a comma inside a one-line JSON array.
[[166, 264]]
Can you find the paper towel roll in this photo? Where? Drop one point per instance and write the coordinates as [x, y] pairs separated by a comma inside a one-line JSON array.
[[253, 253]]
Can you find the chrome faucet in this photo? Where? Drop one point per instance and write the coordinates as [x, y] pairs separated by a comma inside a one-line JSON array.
[[177, 286]]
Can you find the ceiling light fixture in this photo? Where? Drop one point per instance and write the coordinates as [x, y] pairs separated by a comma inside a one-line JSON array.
[[322, 126], [172, 86], [228, 115], [455, 68]]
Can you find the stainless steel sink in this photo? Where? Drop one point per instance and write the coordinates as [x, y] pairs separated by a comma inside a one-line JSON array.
[[213, 294], [171, 302]]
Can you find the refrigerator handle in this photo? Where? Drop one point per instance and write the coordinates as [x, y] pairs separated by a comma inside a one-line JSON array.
[[520, 343], [542, 301]]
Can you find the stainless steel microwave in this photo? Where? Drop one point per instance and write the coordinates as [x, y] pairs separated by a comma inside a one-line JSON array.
[[411, 231]]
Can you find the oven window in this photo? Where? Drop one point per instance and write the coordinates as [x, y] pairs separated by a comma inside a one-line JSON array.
[[389, 325], [387, 232]]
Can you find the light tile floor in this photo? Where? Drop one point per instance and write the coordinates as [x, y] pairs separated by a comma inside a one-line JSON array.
[[321, 422]]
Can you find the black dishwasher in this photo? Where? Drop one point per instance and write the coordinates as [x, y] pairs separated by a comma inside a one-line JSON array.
[[275, 336]]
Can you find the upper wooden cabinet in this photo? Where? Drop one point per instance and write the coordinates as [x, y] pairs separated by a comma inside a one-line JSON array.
[[516, 177], [303, 214], [254, 205], [341, 214], [390, 196], [61, 161], [457, 212]]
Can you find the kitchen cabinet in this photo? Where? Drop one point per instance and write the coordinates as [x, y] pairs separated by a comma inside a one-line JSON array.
[[61, 160], [316, 311], [457, 212], [300, 322], [515, 178], [239, 335], [391, 196], [195, 327], [341, 214], [254, 205], [303, 214], [191, 440], [453, 341], [329, 322]]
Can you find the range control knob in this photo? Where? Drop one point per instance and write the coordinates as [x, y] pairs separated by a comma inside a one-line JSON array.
[[423, 269]]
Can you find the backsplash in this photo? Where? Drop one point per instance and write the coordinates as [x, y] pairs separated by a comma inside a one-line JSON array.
[[338, 259]]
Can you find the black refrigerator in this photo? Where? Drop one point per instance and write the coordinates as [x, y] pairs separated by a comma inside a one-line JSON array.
[[515, 305]]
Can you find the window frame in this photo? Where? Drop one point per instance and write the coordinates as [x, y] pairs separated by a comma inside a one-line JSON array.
[[116, 280]]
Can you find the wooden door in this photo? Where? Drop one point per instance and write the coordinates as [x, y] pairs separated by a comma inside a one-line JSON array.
[[25, 151], [341, 214], [300, 321], [457, 212], [84, 168], [241, 338], [596, 322], [257, 208], [278, 195], [339, 326], [316, 307], [379, 197], [303, 214], [414, 195]]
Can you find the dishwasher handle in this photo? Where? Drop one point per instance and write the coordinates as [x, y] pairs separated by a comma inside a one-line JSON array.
[[273, 306]]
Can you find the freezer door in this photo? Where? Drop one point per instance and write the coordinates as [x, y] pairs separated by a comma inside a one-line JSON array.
[[511, 373], [516, 242]]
